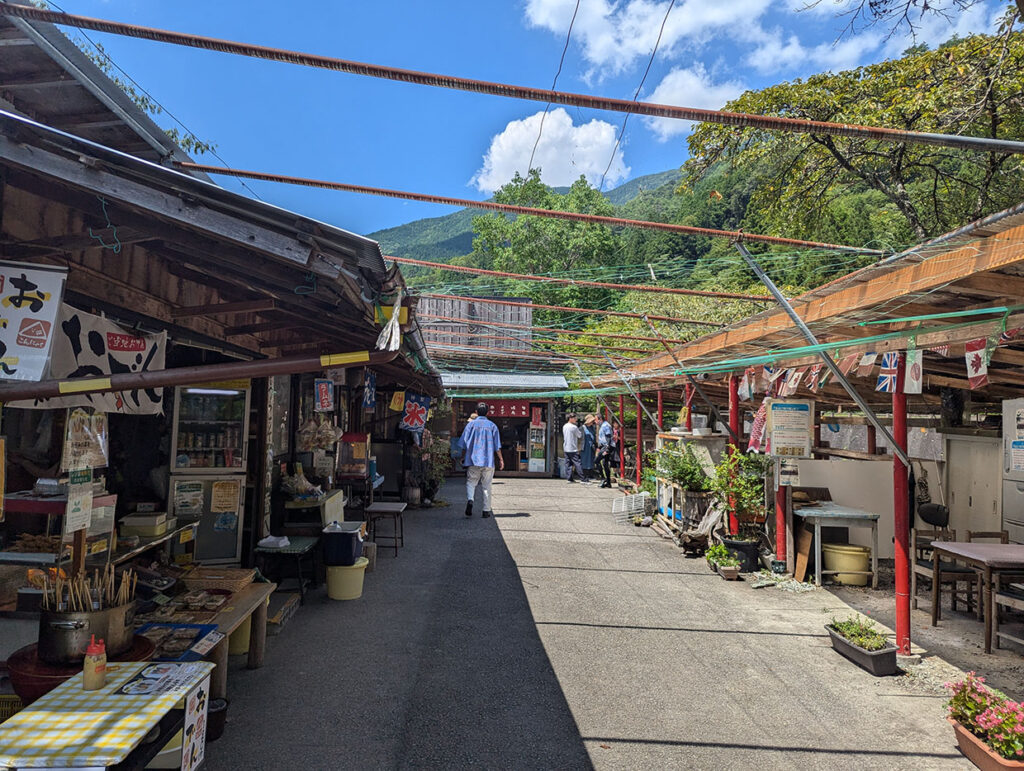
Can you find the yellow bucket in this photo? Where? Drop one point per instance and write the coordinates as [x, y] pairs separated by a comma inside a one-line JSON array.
[[845, 556], [345, 582], [238, 641]]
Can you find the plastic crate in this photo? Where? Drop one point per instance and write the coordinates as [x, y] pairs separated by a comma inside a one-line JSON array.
[[10, 705]]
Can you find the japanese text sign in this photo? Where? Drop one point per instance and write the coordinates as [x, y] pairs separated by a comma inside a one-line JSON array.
[[29, 300]]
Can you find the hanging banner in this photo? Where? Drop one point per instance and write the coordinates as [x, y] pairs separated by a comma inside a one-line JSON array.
[[85, 441], [757, 428], [914, 375], [866, 364], [30, 299], [790, 423], [369, 391], [793, 381], [415, 416], [323, 393], [508, 408], [847, 363], [888, 373], [977, 362], [813, 378], [397, 401], [85, 345]]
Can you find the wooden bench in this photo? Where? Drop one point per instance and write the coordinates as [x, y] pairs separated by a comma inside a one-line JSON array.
[[249, 602]]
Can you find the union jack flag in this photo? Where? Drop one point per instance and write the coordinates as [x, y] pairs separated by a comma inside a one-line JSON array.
[[887, 374]]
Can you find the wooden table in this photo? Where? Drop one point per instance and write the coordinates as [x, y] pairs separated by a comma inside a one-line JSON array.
[[300, 547], [829, 514], [251, 601], [990, 559]]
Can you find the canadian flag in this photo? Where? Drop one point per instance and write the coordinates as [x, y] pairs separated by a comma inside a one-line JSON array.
[[977, 362]]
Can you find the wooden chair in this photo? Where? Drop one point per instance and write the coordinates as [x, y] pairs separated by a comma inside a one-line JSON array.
[[951, 574], [1002, 536], [1005, 598]]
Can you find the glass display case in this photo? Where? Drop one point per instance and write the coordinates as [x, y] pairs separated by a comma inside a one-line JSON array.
[[354, 455], [211, 428]]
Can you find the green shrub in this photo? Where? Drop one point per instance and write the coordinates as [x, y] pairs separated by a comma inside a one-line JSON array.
[[860, 632]]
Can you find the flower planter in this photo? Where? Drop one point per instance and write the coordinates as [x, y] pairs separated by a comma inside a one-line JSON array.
[[712, 566], [879, 663], [729, 572], [978, 752], [747, 552]]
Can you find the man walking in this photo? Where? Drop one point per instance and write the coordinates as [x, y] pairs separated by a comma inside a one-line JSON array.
[[572, 438], [482, 443], [605, 451]]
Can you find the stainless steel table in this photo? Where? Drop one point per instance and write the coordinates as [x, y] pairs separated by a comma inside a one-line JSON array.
[[830, 514]]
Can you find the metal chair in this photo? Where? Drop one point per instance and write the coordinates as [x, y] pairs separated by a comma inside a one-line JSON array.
[[950, 573]]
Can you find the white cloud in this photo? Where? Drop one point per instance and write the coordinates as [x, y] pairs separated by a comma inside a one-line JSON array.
[[775, 51], [690, 87], [614, 35], [565, 152]]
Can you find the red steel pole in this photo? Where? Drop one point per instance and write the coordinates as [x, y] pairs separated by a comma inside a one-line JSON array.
[[639, 441], [734, 424], [661, 410], [901, 512], [689, 407], [622, 434]]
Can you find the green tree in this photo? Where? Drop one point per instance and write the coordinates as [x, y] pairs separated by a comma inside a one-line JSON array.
[[820, 187]]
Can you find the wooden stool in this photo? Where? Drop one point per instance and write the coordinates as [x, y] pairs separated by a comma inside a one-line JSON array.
[[383, 510]]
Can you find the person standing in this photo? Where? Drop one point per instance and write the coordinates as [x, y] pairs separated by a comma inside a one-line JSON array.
[[481, 443], [589, 446], [572, 438], [605, 451]]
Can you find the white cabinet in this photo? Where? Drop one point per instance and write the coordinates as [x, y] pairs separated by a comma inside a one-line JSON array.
[[974, 478]]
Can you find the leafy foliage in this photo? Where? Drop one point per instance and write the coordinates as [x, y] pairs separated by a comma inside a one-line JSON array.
[[861, 191], [988, 714], [683, 468], [739, 483], [861, 632]]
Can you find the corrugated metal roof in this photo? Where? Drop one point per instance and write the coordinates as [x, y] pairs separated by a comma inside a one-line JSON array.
[[498, 380]]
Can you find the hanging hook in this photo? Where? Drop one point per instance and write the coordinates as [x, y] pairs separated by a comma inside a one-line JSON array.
[[116, 246]]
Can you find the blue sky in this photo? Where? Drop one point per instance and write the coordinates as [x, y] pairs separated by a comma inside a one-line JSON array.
[[304, 122]]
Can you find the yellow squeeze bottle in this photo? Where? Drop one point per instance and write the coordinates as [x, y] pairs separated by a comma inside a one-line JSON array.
[[94, 671]]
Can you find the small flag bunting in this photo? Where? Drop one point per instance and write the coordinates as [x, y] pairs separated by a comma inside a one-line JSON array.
[[977, 362], [813, 378], [888, 373], [914, 375], [866, 364], [847, 363]]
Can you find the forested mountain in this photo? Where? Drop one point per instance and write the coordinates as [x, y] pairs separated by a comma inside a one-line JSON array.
[[441, 238]]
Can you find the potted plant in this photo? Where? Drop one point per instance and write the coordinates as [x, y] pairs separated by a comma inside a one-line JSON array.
[[437, 464], [683, 469], [989, 727], [857, 639], [729, 568], [715, 553], [739, 484]]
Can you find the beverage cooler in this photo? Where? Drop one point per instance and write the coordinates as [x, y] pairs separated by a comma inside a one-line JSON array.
[[208, 471], [1013, 469]]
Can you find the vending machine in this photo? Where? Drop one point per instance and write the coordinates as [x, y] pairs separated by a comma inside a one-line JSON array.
[[209, 447], [1013, 469]]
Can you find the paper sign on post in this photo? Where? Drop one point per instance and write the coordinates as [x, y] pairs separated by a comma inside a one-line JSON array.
[[78, 514], [790, 421]]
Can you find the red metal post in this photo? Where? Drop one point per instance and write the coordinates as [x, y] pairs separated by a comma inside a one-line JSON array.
[[689, 407], [734, 424], [780, 523], [622, 435], [661, 410], [639, 441], [901, 512]]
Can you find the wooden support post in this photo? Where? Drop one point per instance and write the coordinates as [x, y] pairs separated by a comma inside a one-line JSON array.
[[689, 407], [78, 552], [901, 511], [622, 434], [734, 424], [258, 636]]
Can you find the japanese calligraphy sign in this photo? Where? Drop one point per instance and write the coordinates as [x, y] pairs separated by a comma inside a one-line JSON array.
[[85, 345], [29, 300], [415, 416], [323, 390], [369, 391], [508, 408]]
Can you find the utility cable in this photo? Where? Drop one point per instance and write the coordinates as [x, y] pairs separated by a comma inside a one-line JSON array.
[[732, 235], [565, 308], [506, 325], [561, 61], [766, 122], [625, 120]]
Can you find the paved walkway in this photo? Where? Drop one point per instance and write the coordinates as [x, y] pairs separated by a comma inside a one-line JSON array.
[[549, 637]]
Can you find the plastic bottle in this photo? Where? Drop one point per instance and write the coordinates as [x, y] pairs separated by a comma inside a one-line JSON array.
[[94, 670]]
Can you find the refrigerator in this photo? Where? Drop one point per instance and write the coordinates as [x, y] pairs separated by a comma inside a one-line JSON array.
[[209, 448], [1013, 469]]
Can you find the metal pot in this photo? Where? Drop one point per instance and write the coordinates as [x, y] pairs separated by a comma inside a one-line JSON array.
[[63, 637]]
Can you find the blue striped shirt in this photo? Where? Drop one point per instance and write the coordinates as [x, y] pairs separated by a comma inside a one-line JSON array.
[[481, 440]]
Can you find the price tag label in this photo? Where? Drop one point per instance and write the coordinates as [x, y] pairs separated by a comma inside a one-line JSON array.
[[97, 546], [187, 535], [161, 599]]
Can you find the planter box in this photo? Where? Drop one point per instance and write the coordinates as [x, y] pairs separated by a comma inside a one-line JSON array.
[[978, 752], [730, 572], [879, 663], [712, 566], [747, 552]]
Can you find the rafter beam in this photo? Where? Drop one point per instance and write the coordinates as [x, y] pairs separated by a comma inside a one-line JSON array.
[[218, 309]]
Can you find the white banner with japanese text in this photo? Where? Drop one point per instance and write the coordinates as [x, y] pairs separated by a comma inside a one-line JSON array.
[[30, 296], [85, 345]]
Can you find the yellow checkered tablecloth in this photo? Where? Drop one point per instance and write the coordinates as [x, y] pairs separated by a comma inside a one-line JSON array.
[[72, 727]]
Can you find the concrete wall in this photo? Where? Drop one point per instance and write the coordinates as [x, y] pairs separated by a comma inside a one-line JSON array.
[[865, 485]]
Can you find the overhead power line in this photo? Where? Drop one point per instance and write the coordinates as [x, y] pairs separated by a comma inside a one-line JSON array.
[[767, 122], [580, 282], [733, 235], [552, 330], [561, 61], [566, 308], [428, 333]]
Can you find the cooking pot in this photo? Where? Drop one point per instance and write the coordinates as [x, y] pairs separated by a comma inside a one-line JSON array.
[[63, 637]]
